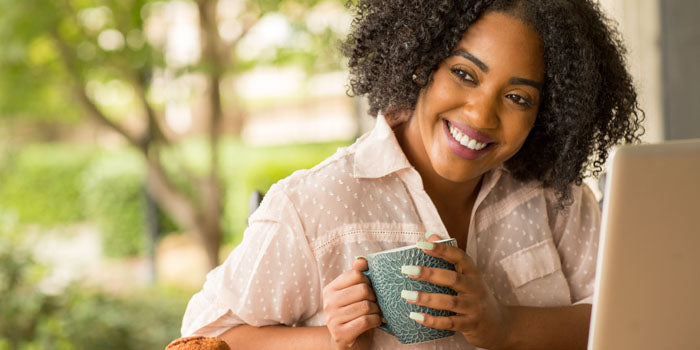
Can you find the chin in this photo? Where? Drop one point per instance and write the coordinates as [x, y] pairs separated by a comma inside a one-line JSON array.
[[457, 176]]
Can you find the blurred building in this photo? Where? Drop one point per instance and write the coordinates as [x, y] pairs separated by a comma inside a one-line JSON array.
[[663, 40]]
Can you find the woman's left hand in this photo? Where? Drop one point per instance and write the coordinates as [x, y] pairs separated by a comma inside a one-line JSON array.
[[479, 316]]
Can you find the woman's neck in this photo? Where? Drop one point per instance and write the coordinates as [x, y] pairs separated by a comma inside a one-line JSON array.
[[445, 194]]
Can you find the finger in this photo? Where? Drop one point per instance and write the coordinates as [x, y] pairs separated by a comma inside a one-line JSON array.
[[453, 255], [355, 310], [356, 327], [459, 282], [360, 264], [347, 279], [456, 303], [458, 323], [351, 295], [432, 236]]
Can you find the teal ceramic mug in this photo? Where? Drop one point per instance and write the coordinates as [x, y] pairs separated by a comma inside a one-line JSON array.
[[387, 281]]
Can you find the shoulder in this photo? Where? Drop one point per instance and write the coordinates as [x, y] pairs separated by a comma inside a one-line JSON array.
[[334, 171], [506, 194], [320, 189], [581, 213], [514, 189], [581, 197]]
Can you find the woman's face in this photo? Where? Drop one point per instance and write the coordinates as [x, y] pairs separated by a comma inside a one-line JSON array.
[[482, 101]]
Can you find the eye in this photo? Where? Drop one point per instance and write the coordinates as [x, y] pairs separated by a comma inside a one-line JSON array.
[[519, 100], [463, 75]]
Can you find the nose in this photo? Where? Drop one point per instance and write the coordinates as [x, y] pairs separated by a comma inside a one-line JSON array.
[[481, 110]]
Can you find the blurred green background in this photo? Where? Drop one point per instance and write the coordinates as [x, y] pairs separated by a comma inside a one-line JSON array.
[[132, 135]]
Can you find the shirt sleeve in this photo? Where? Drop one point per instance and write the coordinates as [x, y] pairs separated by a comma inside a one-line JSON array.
[[270, 278], [576, 233]]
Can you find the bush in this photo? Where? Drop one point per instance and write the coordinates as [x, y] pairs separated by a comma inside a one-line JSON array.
[[78, 318], [53, 184], [22, 304], [113, 196], [148, 319], [42, 183]]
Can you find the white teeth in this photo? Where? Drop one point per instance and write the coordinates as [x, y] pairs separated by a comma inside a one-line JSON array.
[[464, 140]]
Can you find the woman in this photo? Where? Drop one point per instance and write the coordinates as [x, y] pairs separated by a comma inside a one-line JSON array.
[[490, 114]]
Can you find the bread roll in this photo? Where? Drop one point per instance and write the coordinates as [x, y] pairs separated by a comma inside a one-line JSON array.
[[197, 343]]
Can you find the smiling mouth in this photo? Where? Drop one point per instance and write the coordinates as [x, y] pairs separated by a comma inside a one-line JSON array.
[[465, 140]]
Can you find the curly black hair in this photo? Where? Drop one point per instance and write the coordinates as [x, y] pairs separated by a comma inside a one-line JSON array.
[[589, 102]]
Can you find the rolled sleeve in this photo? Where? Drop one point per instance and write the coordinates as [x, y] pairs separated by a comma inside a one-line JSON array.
[[269, 279]]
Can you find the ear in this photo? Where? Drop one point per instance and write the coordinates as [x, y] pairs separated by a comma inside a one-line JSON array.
[[419, 77], [397, 117]]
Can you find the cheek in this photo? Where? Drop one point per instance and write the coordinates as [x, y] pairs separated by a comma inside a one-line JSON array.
[[440, 94], [519, 130]]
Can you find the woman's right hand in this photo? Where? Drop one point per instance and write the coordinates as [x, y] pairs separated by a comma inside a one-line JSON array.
[[351, 309]]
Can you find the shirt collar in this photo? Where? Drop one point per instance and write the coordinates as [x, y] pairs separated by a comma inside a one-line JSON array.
[[379, 153]]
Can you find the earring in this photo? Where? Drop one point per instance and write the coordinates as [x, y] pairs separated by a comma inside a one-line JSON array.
[[417, 80]]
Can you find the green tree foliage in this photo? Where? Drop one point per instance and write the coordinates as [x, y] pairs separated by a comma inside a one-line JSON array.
[[63, 60], [50, 45]]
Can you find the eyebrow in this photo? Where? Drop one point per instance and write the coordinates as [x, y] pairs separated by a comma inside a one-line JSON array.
[[522, 81], [471, 57], [515, 80]]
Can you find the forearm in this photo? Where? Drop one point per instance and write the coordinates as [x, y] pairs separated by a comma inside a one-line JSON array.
[[277, 337], [549, 328]]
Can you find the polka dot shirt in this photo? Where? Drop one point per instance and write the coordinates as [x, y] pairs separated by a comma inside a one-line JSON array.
[[367, 198]]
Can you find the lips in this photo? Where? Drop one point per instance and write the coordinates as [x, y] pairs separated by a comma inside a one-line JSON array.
[[471, 133], [466, 142]]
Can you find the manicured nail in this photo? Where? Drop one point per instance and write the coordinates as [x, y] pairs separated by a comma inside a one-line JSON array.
[[409, 294], [417, 316], [426, 245], [429, 233], [410, 270], [361, 257]]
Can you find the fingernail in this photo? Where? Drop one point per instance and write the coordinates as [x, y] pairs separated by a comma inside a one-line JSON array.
[[429, 233], [426, 245], [384, 320], [361, 257], [410, 270], [417, 316], [409, 294]]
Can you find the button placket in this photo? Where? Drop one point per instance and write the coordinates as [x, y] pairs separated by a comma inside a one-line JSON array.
[[424, 205]]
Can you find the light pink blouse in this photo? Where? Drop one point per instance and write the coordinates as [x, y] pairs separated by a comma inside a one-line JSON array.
[[367, 198]]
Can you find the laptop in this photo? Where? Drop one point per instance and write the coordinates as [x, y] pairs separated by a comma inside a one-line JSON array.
[[647, 288]]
